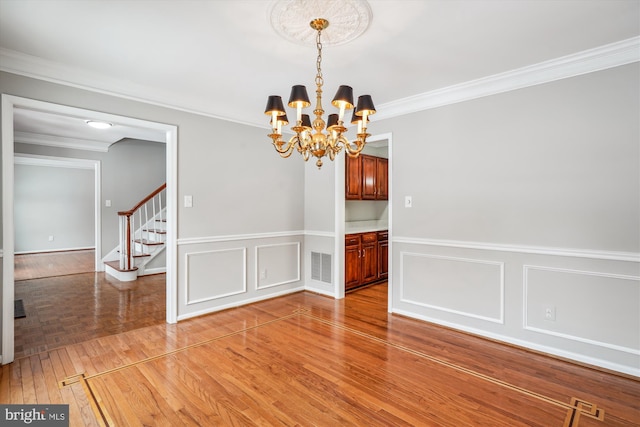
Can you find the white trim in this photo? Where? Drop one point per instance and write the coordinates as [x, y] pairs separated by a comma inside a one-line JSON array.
[[214, 297], [339, 226], [51, 161], [238, 303], [319, 233], [8, 230], [601, 58], [61, 141], [540, 250], [526, 344], [499, 320], [390, 284], [525, 294], [236, 237], [50, 251], [54, 72], [271, 285], [320, 291], [588, 61]]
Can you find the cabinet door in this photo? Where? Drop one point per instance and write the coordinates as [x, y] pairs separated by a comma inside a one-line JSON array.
[[368, 177], [369, 262], [382, 179], [351, 266], [383, 259], [353, 174]]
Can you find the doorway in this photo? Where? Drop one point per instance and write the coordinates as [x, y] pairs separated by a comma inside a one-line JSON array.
[[365, 212], [9, 104]]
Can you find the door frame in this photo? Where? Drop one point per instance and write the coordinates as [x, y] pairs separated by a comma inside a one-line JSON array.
[[9, 103], [339, 218]]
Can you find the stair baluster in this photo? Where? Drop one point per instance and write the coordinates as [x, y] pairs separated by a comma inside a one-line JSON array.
[[131, 241]]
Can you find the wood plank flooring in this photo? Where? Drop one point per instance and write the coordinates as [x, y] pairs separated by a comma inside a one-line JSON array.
[[304, 359], [69, 309], [50, 264], [65, 304]]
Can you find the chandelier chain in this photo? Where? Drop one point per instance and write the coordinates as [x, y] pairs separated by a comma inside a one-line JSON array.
[[319, 79]]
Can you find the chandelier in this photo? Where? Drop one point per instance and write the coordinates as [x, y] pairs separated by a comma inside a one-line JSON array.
[[320, 143]]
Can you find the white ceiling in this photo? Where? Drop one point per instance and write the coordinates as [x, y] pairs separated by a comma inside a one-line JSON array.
[[222, 58]]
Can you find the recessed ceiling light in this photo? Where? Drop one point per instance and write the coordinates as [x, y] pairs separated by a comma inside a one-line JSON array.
[[98, 124]]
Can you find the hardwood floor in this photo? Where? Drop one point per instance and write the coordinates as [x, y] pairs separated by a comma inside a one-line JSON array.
[[304, 359], [74, 308], [65, 304], [50, 264]]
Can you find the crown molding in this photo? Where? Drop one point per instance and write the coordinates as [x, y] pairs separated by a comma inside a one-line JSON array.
[[588, 61], [61, 142], [50, 71]]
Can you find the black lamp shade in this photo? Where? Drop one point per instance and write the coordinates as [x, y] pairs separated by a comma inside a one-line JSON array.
[[332, 120], [344, 94], [365, 103], [355, 119], [283, 119], [299, 94], [306, 122], [274, 103]]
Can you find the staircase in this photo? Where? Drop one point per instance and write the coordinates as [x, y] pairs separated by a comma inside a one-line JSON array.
[[142, 232]]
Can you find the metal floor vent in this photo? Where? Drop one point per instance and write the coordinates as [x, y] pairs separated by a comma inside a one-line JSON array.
[[321, 267]]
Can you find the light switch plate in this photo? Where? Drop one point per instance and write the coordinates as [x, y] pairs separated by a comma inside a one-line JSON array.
[[188, 201], [408, 201]]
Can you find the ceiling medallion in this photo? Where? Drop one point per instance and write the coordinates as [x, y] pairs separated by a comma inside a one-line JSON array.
[[349, 19]]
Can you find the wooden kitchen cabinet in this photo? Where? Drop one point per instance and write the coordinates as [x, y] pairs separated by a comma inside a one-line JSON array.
[[382, 178], [369, 178], [352, 264], [363, 261], [353, 178], [366, 178], [383, 255], [369, 257]]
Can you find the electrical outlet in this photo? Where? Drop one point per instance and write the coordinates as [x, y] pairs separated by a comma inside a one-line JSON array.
[[549, 312], [408, 201], [51, 238], [263, 274]]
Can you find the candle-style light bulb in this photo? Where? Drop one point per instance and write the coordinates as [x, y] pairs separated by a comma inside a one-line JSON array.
[[342, 107]]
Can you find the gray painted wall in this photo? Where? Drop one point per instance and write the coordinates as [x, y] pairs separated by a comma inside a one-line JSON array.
[[53, 201], [130, 170], [553, 165], [524, 201]]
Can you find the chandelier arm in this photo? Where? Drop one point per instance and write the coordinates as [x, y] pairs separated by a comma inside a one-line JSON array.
[[284, 148], [359, 145]]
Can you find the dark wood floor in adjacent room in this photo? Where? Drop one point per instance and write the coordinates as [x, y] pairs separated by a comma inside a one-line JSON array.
[[66, 302], [304, 359]]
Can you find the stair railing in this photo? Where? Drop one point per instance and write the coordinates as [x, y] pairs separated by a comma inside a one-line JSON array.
[[154, 203]]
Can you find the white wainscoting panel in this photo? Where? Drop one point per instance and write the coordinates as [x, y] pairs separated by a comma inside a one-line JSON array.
[[215, 274], [474, 288], [277, 264], [597, 308]]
